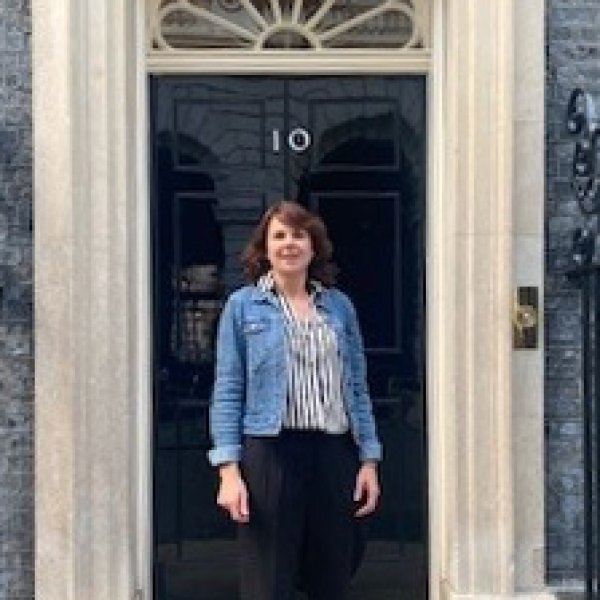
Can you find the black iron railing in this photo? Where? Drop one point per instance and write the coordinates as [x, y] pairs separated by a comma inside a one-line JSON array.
[[583, 123]]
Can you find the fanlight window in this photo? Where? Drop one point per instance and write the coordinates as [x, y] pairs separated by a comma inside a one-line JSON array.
[[259, 25]]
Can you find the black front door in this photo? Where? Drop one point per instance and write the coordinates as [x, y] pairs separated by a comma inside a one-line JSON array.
[[225, 148]]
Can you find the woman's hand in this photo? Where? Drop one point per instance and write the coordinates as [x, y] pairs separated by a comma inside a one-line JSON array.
[[367, 489], [233, 494]]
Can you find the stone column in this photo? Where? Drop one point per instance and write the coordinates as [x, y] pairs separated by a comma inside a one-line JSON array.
[[528, 270], [486, 473], [84, 82]]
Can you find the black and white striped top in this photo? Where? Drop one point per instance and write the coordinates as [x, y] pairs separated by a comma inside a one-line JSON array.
[[314, 369]]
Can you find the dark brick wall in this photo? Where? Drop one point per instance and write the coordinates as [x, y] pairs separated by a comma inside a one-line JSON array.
[[573, 59], [16, 293]]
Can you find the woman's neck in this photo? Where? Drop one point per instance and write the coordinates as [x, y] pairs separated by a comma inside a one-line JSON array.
[[291, 286]]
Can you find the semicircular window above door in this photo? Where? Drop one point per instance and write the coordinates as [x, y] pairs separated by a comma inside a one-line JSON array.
[[303, 25]]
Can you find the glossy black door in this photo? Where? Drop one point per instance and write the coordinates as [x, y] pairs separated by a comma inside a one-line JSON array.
[[352, 148]]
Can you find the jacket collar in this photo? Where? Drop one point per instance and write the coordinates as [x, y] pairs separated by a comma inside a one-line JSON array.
[[265, 290]]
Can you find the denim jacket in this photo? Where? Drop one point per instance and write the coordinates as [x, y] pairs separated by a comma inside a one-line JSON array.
[[250, 389]]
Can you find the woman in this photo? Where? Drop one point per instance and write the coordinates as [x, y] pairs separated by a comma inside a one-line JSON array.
[[294, 437]]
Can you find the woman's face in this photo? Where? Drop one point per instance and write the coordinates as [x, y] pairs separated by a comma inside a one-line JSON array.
[[289, 250]]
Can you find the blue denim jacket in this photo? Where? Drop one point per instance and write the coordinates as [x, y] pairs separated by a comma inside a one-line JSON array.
[[249, 394]]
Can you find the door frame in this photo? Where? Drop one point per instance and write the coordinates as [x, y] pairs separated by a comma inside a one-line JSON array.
[[484, 235], [290, 63]]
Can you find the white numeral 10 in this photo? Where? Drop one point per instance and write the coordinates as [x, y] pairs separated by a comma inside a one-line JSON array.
[[298, 140]]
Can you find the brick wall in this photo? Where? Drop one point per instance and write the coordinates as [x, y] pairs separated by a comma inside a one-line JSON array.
[[573, 59], [16, 292]]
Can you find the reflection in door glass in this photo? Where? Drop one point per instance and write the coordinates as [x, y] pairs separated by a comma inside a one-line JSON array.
[[366, 230]]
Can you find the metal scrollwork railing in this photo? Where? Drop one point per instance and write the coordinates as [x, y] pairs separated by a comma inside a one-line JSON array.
[[582, 121]]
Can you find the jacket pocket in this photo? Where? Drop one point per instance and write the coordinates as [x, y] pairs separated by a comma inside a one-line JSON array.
[[254, 326], [257, 334]]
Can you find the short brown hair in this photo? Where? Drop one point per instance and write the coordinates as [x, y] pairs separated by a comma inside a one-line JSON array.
[[292, 214]]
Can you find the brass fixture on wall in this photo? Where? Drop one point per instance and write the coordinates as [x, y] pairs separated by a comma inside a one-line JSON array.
[[525, 318]]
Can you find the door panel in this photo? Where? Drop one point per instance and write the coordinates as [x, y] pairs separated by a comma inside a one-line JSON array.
[[353, 149]]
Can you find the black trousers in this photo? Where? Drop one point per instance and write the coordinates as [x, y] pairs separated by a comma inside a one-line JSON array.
[[302, 533]]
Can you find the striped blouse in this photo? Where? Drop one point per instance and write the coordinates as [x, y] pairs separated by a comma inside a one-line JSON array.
[[314, 373]]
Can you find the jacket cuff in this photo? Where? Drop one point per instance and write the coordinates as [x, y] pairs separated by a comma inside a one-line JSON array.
[[370, 452], [224, 454]]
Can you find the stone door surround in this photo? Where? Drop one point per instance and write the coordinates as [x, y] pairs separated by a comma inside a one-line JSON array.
[[92, 282]]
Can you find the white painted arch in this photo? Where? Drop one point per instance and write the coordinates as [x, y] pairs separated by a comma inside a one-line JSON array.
[[92, 312]]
